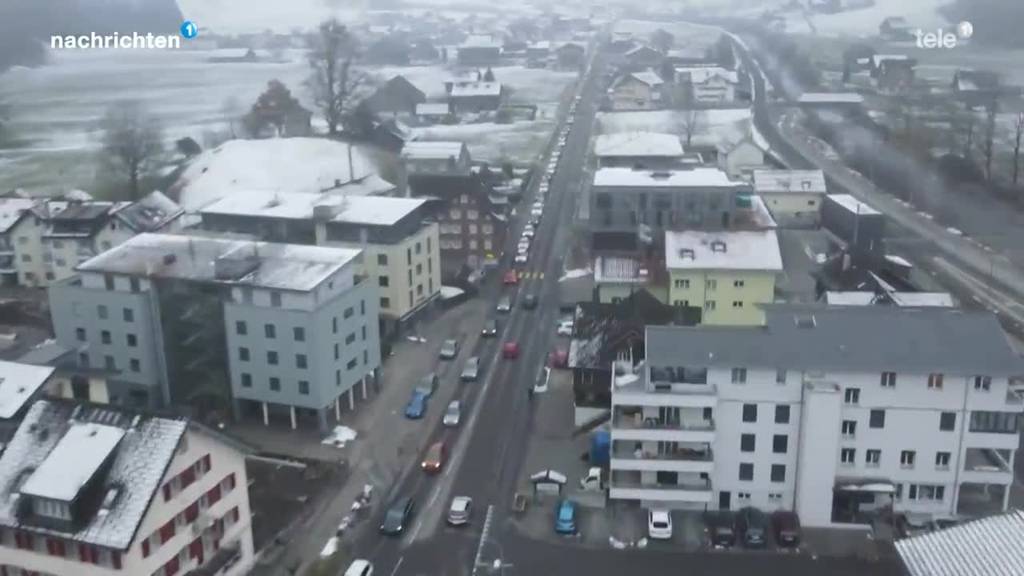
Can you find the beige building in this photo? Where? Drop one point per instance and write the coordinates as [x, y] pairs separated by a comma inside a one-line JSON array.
[[794, 197]]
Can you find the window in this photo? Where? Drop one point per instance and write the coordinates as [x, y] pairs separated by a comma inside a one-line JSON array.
[[105, 336], [275, 299], [872, 458], [299, 333], [739, 375], [132, 340], [780, 444], [683, 283], [382, 259], [272, 357], [774, 497], [269, 331], [419, 289], [350, 338], [747, 442], [780, 376], [997, 422], [26, 258], [243, 354], [363, 330], [101, 311], [419, 248], [83, 359], [778, 472], [709, 305], [750, 412], [409, 272], [366, 357], [983, 383], [383, 281], [743, 496], [907, 458], [926, 492], [349, 312], [134, 284], [80, 334], [888, 379], [352, 363], [737, 304], [738, 283], [848, 456], [746, 471], [246, 380], [240, 328], [711, 284], [304, 387], [419, 269], [947, 421], [108, 363], [128, 314], [408, 255], [877, 419], [782, 414], [275, 383], [935, 381], [362, 307], [852, 396], [300, 360], [849, 428], [899, 493], [385, 302], [942, 460], [135, 365], [334, 325], [683, 303]]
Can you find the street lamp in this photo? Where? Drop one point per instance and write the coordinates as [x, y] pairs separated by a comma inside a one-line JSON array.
[[496, 566]]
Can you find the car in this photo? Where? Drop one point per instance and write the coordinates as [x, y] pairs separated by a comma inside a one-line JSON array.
[[786, 525], [752, 525], [427, 385], [471, 369], [538, 212], [659, 524], [535, 219], [433, 460], [523, 248], [578, 98], [449, 349], [510, 350], [569, 120], [510, 277], [529, 301], [565, 517], [522, 258], [504, 304], [416, 407], [359, 567], [721, 527], [543, 189], [529, 231], [460, 510], [564, 328], [558, 358], [490, 328], [452, 414], [538, 204], [397, 516], [542, 380]]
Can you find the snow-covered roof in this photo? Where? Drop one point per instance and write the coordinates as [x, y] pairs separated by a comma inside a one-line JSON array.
[[373, 210], [922, 299], [18, 383], [279, 164], [433, 150], [701, 176], [852, 204], [151, 212], [732, 250], [59, 444], [701, 74], [432, 109], [877, 59], [647, 77], [638, 144], [789, 181], [619, 269], [11, 209], [240, 262], [480, 41], [830, 98], [986, 547], [467, 89], [850, 298]]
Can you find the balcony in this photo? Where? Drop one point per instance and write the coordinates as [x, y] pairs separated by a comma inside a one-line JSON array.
[[665, 394], [689, 491], [692, 460], [985, 466], [651, 429]]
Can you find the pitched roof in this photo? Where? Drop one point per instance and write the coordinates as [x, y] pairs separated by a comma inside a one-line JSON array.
[[433, 150], [18, 384], [648, 77], [638, 144], [986, 547], [11, 211], [150, 213]]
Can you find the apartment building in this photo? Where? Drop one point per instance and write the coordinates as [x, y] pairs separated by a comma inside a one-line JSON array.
[[727, 274], [834, 412], [254, 328], [794, 197], [707, 85], [15, 221], [98, 491]]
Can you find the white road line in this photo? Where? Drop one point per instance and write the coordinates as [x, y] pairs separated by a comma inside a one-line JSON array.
[[397, 565], [484, 534], [415, 530]]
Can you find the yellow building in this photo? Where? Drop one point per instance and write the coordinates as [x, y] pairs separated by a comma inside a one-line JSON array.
[[727, 274]]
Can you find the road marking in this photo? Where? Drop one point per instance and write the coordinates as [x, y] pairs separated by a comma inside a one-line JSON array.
[[397, 565], [484, 535], [415, 531]]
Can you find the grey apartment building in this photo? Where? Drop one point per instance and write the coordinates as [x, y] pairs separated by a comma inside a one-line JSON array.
[[263, 330]]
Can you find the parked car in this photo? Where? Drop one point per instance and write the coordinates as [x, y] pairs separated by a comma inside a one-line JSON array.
[[510, 350], [359, 567], [397, 516], [452, 414], [535, 219], [565, 517], [786, 525], [460, 511], [529, 230], [752, 524], [449, 349], [504, 304], [490, 328], [510, 277], [471, 369], [434, 459], [538, 212], [659, 524], [416, 407], [564, 328], [542, 380], [522, 258], [428, 384], [721, 526], [530, 301]]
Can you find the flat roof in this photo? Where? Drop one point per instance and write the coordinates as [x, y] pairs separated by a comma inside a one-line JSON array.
[[693, 177], [725, 250], [789, 181], [278, 266], [18, 383], [639, 144], [618, 269], [75, 459], [852, 204], [371, 210], [830, 98], [430, 108], [432, 150]]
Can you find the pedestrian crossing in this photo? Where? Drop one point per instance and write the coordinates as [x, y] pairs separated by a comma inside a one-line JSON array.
[[530, 274]]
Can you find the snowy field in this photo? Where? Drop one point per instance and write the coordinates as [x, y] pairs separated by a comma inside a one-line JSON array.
[[865, 21], [520, 141], [713, 126]]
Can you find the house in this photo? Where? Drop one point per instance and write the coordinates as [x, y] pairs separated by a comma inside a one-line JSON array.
[[570, 56], [976, 546], [20, 385], [475, 96], [707, 85], [434, 112], [436, 157], [538, 50], [727, 274], [893, 72], [975, 87], [643, 57], [636, 91], [871, 411], [17, 222], [617, 50], [793, 197], [741, 157], [396, 96], [479, 50], [638, 150], [895, 28], [97, 490], [221, 325], [391, 50]]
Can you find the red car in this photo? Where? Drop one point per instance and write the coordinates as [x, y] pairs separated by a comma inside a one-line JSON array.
[[558, 358], [510, 350], [511, 277]]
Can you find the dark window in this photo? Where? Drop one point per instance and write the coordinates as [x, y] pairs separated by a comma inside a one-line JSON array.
[[300, 360], [108, 280], [382, 259], [947, 421], [272, 358], [778, 472], [366, 358], [350, 338], [300, 334], [269, 331], [135, 365], [243, 354], [747, 442], [349, 312], [275, 299], [385, 302], [782, 414], [101, 311], [334, 325], [105, 336], [363, 329], [246, 380], [780, 443], [336, 348], [108, 363], [241, 328], [129, 315], [383, 281], [750, 412], [746, 471], [852, 396], [275, 383], [134, 283], [80, 334], [877, 419], [352, 363], [362, 307], [304, 387], [132, 340]]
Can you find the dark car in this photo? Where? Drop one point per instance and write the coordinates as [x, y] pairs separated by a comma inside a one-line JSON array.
[[721, 527], [490, 328], [530, 301], [417, 406], [752, 524], [397, 516], [787, 528]]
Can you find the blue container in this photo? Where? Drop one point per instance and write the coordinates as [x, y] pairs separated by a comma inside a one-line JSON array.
[[600, 448]]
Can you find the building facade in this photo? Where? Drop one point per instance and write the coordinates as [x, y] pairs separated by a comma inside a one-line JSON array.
[[637, 91], [793, 197]]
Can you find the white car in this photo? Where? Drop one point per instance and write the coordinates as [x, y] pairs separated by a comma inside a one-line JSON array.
[[659, 525], [544, 187], [359, 568], [538, 212], [522, 258], [528, 231], [564, 328], [541, 385], [453, 413]]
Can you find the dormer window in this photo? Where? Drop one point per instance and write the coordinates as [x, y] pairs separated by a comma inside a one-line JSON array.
[[687, 253], [51, 508]]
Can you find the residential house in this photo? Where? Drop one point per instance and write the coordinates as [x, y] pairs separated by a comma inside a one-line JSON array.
[[435, 112], [475, 96], [218, 325], [396, 96], [642, 57], [17, 224], [741, 157], [840, 414], [639, 150], [96, 490], [617, 277], [637, 91], [895, 28], [893, 72], [20, 385], [793, 197], [707, 85], [436, 157], [975, 87], [479, 50], [538, 50], [68, 380], [728, 274], [570, 56]]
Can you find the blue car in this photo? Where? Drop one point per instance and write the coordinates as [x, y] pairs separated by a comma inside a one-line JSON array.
[[417, 406], [565, 517]]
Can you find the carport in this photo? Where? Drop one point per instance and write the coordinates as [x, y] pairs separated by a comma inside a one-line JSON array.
[[857, 500]]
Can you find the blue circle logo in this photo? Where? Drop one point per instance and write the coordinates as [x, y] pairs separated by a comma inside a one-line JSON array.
[[189, 29]]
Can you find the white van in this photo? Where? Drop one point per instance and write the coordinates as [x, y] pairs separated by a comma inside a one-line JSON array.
[[360, 568]]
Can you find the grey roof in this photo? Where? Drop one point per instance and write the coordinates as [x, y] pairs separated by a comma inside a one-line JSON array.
[[987, 547], [138, 465], [922, 340]]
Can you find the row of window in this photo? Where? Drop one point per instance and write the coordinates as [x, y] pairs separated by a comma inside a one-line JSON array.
[[935, 381], [908, 458], [474, 244], [781, 413], [777, 474], [85, 553], [384, 281], [187, 516], [382, 259], [186, 477], [195, 550], [876, 419], [103, 313], [710, 284], [273, 358], [131, 340], [274, 382], [456, 229], [708, 304], [780, 443], [109, 362], [926, 492]]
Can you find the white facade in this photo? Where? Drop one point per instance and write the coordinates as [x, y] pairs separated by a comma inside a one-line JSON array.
[[741, 159]]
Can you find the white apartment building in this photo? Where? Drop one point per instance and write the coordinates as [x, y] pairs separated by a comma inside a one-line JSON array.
[[829, 411], [95, 491]]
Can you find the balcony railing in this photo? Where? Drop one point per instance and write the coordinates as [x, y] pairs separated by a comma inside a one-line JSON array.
[[631, 423], [687, 485], [684, 454]]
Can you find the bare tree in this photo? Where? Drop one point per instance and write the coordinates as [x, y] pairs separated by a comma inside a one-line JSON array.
[[990, 132], [333, 80], [692, 121], [132, 142], [1017, 133], [232, 110]]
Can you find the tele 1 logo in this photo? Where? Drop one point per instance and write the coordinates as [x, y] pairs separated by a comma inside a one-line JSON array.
[[941, 38]]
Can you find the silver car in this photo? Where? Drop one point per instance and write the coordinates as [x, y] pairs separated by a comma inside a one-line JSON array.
[[505, 304], [471, 370], [460, 510], [449, 349], [452, 414]]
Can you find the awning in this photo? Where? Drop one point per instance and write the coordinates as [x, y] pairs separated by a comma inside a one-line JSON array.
[[549, 476], [868, 486]]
